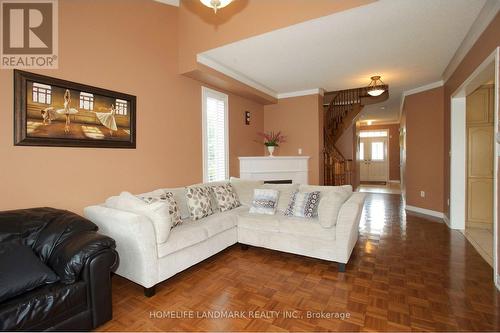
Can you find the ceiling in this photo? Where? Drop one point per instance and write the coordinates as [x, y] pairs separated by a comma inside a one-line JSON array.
[[409, 43]]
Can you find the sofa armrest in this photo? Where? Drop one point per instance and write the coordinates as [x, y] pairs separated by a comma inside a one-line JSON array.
[[97, 275], [348, 225], [68, 258], [135, 242]]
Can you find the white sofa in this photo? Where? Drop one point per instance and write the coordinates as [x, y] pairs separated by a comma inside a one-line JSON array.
[[147, 263]]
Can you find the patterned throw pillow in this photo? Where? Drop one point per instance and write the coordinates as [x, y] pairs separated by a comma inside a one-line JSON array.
[[226, 197], [264, 201], [303, 204], [173, 208], [198, 201]]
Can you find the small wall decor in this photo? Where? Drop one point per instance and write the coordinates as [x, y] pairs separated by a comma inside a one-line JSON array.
[[55, 112], [247, 117]]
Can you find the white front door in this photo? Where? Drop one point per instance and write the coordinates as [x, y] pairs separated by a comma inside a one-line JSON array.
[[373, 159]]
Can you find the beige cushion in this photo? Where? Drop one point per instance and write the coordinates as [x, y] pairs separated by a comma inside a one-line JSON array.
[[157, 212], [180, 197], [305, 228], [286, 191], [329, 207], [244, 189], [324, 189]]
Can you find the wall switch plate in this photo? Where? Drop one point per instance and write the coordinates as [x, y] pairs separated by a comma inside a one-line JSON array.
[[422, 194]]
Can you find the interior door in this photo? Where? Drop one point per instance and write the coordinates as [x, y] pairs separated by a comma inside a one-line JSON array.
[[373, 159]]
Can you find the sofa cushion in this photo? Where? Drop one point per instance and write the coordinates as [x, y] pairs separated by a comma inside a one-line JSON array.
[[169, 200], [158, 212], [244, 189], [180, 197], [209, 185], [187, 234], [269, 223], [199, 201], [264, 201], [225, 196], [21, 270], [329, 207], [305, 227], [285, 193], [303, 204], [326, 189], [219, 222]]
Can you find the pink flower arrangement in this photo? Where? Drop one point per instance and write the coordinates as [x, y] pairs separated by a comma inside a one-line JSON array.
[[272, 139]]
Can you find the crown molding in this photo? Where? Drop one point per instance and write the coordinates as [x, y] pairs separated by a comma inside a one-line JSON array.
[[175, 3], [417, 90], [486, 15], [317, 91], [209, 62]]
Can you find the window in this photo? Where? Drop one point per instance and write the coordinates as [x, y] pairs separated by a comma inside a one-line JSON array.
[[373, 134], [86, 101], [121, 107], [361, 151], [42, 93], [215, 135], [378, 151]]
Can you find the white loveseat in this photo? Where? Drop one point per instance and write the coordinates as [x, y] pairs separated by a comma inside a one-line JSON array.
[[147, 263]]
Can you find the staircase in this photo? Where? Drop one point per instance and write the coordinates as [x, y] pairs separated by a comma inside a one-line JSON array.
[[341, 110]]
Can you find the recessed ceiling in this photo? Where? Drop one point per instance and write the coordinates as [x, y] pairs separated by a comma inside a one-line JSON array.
[[409, 43]]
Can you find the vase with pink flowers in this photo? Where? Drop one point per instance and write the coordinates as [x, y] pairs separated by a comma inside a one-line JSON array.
[[272, 140]]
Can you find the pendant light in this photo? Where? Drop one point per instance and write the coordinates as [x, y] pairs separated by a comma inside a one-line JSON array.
[[376, 86], [216, 4]]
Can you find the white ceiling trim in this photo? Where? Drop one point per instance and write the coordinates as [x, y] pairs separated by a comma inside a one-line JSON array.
[[317, 91], [486, 15], [175, 3], [209, 62], [417, 90]]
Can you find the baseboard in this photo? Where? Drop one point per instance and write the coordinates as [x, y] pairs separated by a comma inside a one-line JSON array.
[[424, 211], [447, 221]]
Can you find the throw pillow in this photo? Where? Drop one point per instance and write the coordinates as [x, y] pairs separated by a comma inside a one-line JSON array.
[[244, 189], [21, 270], [226, 197], [286, 191], [198, 201], [264, 201], [157, 212], [173, 208], [303, 204], [329, 207]]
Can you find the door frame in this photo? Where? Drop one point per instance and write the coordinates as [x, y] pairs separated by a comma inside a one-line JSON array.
[[458, 150], [388, 163]]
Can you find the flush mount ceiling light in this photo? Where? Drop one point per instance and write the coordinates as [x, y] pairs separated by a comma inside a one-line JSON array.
[[216, 4], [376, 86]]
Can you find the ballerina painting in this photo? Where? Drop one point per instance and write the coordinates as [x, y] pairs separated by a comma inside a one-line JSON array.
[[55, 112], [67, 111], [108, 119], [48, 114]]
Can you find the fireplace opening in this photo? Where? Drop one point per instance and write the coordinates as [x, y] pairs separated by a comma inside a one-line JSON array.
[[278, 181]]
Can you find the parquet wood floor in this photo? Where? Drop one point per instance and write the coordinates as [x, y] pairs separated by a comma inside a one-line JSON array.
[[406, 274]]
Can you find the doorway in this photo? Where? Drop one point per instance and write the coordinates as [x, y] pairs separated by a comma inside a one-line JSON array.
[[463, 216], [373, 156]]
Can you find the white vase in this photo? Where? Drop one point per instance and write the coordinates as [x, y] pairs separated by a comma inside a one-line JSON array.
[[270, 149]]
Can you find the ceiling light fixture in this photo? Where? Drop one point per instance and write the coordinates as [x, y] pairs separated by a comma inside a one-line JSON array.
[[376, 86], [216, 4]]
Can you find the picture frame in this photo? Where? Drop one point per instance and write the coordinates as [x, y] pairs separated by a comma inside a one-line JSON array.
[[54, 112]]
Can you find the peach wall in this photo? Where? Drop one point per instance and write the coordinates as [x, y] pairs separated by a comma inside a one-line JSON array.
[[424, 121], [201, 30], [393, 147], [484, 46], [300, 119], [144, 64]]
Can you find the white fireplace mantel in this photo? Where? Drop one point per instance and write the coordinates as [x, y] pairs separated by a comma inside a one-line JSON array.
[[294, 168]]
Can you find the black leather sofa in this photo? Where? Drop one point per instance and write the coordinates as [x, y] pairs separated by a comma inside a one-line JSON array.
[[67, 245]]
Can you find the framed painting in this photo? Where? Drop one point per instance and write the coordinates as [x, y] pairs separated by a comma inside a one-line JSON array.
[[55, 112]]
